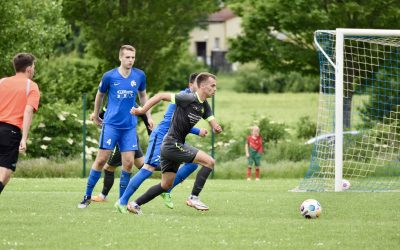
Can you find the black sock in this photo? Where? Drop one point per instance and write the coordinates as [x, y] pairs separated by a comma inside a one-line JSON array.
[[150, 194], [201, 178], [108, 182], [1, 186]]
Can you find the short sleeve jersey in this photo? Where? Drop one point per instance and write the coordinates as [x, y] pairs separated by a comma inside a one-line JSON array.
[[122, 92], [164, 125], [255, 143], [189, 110], [15, 93]]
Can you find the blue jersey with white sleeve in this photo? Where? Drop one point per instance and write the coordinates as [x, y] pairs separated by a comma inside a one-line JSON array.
[[122, 92]]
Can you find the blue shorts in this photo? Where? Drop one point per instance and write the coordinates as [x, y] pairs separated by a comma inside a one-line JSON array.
[[125, 138], [153, 152]]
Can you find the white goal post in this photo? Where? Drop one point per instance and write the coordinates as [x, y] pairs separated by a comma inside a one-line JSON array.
[[366, 68]]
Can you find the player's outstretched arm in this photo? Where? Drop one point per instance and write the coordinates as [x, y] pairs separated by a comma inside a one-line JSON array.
[[150, 103]]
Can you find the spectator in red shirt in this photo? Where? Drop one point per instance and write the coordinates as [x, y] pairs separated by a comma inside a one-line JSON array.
[[254, 150]]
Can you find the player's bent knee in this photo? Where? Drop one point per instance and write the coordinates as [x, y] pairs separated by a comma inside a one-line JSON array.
[[128, 163]]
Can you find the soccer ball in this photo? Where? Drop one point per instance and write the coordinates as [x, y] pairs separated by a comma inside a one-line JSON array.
[[310, 209], [345, 184]]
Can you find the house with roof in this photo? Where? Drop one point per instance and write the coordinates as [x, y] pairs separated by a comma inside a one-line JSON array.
[[211, 44]]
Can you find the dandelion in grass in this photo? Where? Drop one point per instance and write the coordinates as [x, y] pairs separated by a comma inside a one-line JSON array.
[[41, 125], [70, 141], [44, 147]]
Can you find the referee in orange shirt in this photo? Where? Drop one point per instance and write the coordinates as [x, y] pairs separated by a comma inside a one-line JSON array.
[[19, 97]]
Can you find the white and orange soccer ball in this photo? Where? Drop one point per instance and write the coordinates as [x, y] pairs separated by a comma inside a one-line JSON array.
[[310, 209]]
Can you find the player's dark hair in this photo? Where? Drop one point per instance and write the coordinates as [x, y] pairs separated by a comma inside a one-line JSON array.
[[21, 61], [192, 77], [126, 47], [203, 77]]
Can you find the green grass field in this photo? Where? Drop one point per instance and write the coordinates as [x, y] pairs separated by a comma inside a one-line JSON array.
[[42, 214]]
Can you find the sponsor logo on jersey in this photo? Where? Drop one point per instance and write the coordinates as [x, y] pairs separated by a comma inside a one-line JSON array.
[[123, 93], [133, 83]]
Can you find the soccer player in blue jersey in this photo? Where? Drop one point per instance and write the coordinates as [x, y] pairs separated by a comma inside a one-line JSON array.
[[152, 158], [121, 85], [115, 161], [190, 108]]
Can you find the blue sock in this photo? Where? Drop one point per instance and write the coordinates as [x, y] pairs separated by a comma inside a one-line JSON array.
[[123, 182], [94, 176], [134, 184], [183, 173]]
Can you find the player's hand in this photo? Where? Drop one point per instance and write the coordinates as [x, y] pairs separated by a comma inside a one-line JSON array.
[[217, 129], [22, 146], [151, 123], [203, 132], [247, 155], [137, 111], [91, 117], [97, 120]]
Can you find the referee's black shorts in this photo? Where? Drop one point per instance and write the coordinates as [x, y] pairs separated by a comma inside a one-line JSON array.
[[10, 138]]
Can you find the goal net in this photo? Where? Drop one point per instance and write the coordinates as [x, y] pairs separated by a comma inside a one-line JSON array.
[[358, 126]]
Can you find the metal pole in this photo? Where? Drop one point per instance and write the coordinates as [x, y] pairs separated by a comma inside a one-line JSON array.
[[339, 111], [213, 136], [84, 135]]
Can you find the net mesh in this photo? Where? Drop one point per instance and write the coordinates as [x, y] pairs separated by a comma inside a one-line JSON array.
[[371, 115]]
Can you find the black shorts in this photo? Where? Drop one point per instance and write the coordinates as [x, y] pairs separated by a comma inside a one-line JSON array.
[[116, 160], [174, 153], [10, 138]]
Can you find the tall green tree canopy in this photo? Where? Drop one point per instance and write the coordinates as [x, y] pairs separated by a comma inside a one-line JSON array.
[[34, 26], [264, 22], [157, 29]]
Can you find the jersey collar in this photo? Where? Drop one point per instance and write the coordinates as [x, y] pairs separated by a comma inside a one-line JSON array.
[[198, 98]]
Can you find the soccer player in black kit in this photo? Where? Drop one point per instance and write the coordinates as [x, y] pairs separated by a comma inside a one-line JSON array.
[[190, 108]]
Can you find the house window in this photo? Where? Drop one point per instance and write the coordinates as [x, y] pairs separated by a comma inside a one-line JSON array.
[[216, 43]]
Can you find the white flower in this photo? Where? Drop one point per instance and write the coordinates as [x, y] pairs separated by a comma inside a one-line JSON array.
[[41, 125], [44, 147], [65, 113], [70, 141], [61, 117], [89, 139], [74, 115], [46, 138]]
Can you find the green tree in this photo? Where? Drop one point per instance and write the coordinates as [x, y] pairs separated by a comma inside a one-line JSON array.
[[279, 33], [29, 26], [157, 29]]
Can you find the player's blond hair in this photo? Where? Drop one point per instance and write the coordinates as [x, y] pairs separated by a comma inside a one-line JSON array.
[[126, 47]]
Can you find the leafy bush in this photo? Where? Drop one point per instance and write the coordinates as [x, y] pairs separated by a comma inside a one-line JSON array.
[[56, 132], [67, 78], [305, 128], [254, 80], [289, 151], [271, 131], [178, 78]]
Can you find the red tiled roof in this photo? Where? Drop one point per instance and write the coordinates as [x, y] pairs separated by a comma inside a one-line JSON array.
[[221, 16]]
